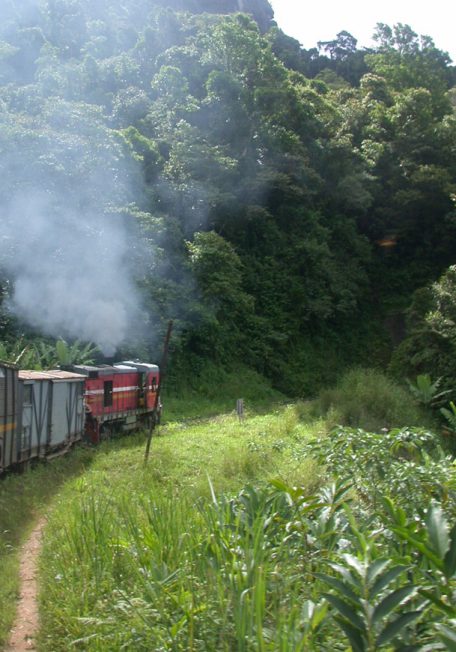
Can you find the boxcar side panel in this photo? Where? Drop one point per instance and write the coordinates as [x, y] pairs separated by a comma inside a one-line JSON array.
[[25, 421], [67, 413], [40, 417], [8, 415]]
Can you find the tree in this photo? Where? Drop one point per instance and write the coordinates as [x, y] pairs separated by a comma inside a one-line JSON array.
[[407, 60], [341, 47], [430, 345], [223, 331]]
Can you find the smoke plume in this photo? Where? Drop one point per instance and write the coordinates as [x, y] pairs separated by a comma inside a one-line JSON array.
[[71, 272], [66, 241]]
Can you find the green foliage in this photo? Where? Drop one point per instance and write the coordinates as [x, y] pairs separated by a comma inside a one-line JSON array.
[[367, 602], [284, 184], [41, 354], [450, 416], [218, 269], [404, 463], [406, 60], [202, 389], [369, 399], [370, 584], [425, 391], [263, 566], [429, 347], [76, 353]]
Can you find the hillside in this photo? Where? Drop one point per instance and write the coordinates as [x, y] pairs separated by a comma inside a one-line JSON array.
[[270, 533], [281, 205], [293, 212]]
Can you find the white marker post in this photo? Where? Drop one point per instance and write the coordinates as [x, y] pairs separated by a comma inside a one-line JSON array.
[[240, 409]]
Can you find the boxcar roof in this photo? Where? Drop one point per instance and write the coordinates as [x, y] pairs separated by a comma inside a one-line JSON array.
[[54, 374]]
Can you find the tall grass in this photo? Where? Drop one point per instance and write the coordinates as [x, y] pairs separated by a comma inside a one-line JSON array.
[[195, 551], [369, 399], [159, 558], [158, 570], [22, 499], [214, 390], [164, 573]]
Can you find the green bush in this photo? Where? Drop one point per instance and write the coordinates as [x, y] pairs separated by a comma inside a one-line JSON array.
[[430, 345], [406, 463], [206, 388], [368, 399]]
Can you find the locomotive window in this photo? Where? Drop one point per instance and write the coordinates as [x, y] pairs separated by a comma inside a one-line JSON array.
[[107, 393]]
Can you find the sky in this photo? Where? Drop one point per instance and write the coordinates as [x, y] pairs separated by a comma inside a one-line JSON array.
[[322, 20]]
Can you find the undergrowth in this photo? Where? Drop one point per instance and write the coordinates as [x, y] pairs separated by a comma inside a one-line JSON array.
[[140, 560], [234, 536], [369, 399], [214, 390], [121, 511]]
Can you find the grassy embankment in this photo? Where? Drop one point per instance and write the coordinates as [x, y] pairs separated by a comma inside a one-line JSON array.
[[159, 557], [128, 559], [23, 498], [190, 553]]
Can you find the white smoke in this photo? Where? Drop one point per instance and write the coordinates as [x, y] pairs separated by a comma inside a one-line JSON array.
[[64, 240], [72, 274], [67, 183]]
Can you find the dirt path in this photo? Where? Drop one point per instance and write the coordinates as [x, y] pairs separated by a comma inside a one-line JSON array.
[[26, 624]]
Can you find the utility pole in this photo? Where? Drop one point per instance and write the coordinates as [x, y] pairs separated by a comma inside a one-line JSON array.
[[163, 365]]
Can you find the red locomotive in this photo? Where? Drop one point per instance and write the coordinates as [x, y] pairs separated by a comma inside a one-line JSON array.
[[118, 397]]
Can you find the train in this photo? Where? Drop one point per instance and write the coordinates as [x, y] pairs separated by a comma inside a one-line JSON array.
[[44, 413]]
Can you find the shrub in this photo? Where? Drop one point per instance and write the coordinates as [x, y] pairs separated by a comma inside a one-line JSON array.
[[366, 398], [407, 463], [430, 345]]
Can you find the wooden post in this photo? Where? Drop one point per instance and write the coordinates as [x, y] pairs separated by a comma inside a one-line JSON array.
[[164, 362]]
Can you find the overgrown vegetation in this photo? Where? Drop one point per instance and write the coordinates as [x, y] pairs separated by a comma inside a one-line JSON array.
[[208, 390], [280, 203], [22, 499], [369, 399], [278, 531], [429, 347], [38, 353], [284, 207], [235, 537]]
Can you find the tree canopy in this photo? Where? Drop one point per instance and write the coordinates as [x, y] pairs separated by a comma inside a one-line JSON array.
[[273, 200]]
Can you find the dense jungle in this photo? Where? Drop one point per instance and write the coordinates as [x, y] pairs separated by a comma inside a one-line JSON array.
[[292, 210]]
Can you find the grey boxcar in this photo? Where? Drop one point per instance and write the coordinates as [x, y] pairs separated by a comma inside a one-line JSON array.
[[52, 412]]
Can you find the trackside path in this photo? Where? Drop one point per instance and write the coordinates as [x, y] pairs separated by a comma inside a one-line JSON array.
[[26, 623]]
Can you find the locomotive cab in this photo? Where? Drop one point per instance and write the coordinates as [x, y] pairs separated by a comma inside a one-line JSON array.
[[118, 397]]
